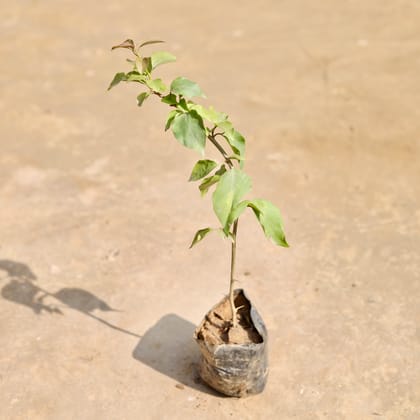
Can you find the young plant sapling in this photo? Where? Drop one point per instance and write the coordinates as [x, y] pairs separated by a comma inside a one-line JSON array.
[[194, 125]]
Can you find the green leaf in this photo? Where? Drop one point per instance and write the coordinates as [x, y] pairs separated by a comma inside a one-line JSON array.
[[226, 126], [200, 235], [237, 142], [201, 169], [161, 57], [231, 188], [270, 220], [221, 170], [138, 64], [128, 43], [169, 99], [150, 42], [142, 97], [171, 117], [188, 129], [146, 64], [207, 183], [119, 77], [237, 211], [135, 76], [209, 114], [234, 157], [183, 105], [211, 180], [156, 85], [183, 86]]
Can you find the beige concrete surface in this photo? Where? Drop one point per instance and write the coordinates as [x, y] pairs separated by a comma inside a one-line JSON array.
[[99, 291]]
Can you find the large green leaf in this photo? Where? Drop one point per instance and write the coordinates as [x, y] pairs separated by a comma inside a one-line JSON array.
[[188, 129], [161, 57], [202, 168], [119, 77], [200, 235], [232, 186], [270, 219], [185, 87]]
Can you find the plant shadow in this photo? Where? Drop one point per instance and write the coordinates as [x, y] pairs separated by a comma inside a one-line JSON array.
[[21, 288], [169, 348]]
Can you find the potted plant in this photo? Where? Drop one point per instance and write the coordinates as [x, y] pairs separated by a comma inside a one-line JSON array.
[[232, 337]]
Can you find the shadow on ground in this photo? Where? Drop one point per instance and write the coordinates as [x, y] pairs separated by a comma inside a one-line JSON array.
[[169, 348], [21, 289]]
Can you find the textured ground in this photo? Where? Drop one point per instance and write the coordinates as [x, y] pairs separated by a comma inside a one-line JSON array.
[[99, 292]]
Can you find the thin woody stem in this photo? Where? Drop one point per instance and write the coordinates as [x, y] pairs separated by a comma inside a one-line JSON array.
[[228, 160], [212, 138], [232, 274]]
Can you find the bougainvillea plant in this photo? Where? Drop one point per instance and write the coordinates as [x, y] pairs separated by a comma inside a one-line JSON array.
[[194, 126]]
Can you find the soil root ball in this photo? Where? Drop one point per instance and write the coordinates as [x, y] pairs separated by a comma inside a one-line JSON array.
[[233, 360]]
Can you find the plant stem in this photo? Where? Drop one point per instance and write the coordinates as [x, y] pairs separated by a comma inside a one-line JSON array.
[[232, 273], [222, 151], [218, 146]]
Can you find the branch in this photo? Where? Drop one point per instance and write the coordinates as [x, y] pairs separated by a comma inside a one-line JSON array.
[[212, 138]]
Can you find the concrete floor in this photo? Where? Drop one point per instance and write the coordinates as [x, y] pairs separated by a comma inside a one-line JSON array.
[[99, 291]]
